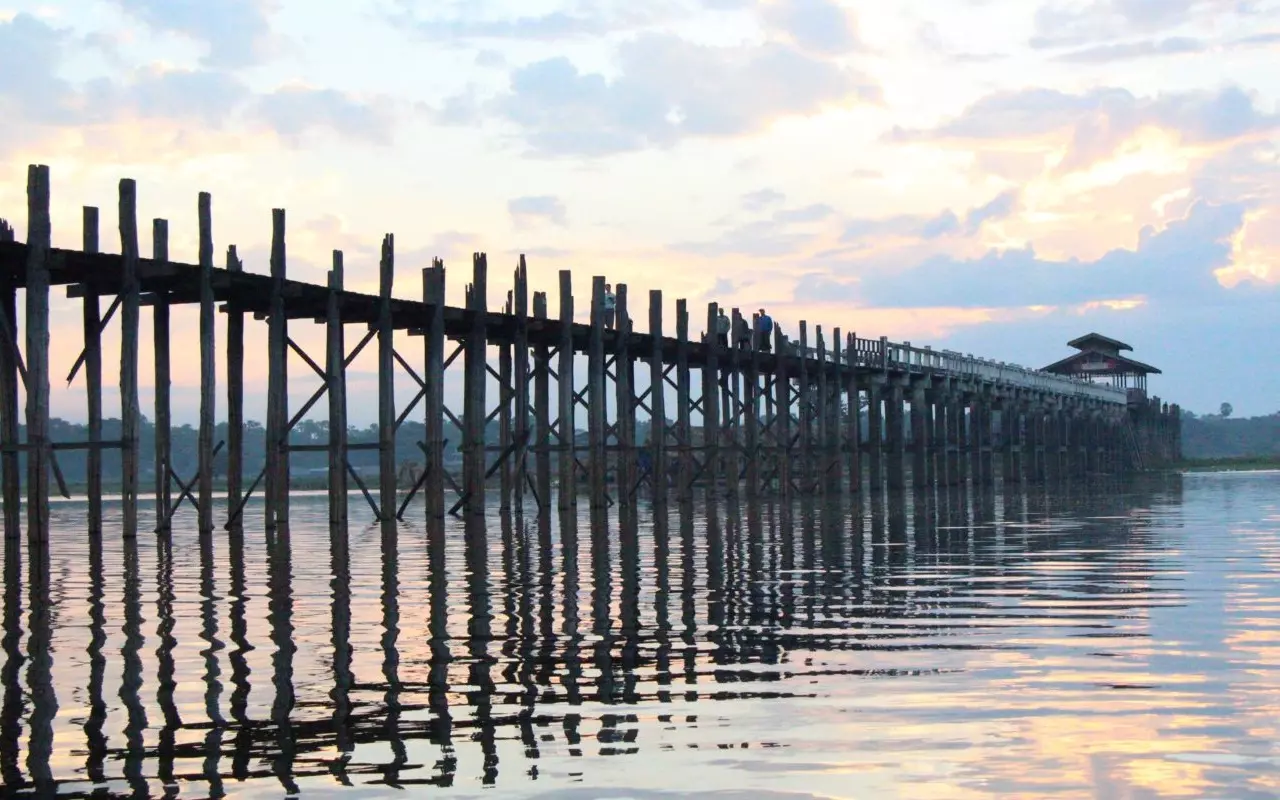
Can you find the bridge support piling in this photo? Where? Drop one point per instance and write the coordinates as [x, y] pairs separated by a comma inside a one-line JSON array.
[[596, 411], [130, 413], [625, 426], [657, 443], [711, 404], [520, 376], [387, 505], [541, 407], [853, 421], [1008, 434], [208, 365], [751, 415], [276, 492], [876, 433], [235, 393], [475, 412], [895, 433], [567, 489], [920, 445], [10, 481], [804, 415], [39, 448], [335, 367], [684, 405], [782, 424], [433, 296], [91, 325], [160, 363]]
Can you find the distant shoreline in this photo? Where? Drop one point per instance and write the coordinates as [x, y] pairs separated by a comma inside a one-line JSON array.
[[1239, 464]]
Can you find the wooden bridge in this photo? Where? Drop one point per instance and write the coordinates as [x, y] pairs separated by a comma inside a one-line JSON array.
[[762, 420]]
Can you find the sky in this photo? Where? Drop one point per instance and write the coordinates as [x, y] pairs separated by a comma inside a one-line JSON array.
[[988, 176]]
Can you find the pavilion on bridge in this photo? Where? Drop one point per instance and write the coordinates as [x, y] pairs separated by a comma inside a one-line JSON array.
[[1099, 360]]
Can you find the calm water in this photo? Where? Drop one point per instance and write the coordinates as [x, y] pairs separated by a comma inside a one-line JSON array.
[[1114, 641]]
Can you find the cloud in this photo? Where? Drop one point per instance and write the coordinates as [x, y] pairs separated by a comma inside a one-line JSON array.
[[758, 239], [911, 226], [653, 102], [814, 25], [540, 208], [1122, 51], [1059, 24], [761, 199], [1175, 263], [999, 207], [810, 213], [1100, 120], [292, 111], [236, 32]]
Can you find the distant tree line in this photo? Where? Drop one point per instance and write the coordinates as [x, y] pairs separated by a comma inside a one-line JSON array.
[[1223, 436]]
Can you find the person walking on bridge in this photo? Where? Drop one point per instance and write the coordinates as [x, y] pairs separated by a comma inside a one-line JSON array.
[[722, 329], [610, 304], [764, 331]]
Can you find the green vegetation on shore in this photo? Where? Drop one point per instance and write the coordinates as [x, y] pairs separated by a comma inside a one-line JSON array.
[[1238, 464]]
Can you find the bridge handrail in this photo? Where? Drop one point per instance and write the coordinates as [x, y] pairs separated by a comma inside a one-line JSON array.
[[884, 354]]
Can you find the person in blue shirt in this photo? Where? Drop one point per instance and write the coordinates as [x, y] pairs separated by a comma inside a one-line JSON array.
[[764, 331]]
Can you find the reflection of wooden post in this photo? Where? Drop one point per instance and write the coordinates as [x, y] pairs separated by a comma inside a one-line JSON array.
[[208, 380], [336, 375], [92, 322], [657, 401], [386, 384], [235, 391], [40, 450], [130, 413], [433, 286], [160, 351]]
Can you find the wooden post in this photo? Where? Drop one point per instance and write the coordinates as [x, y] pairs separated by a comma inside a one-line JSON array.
[[783, 397], [130, 413], [473, 456], [520, 351], [956, 465], [235, 392], [853, 430], [986, 453], [804, 420], [875, 433], [626, 401], [751, 412], [1009, 434], [208, 366], [336, 376], [822, 413], [711, 402], [542, 404], [684, 405], [657, 402], [91, 324], [938, 438], [433, 294], [162, 423], [9, 421], [595, 395], [277, 472], [835, 406], [568, 493], [732, 421], [506, 388], [387, 504], [919, 433], [895, 434], [40, 449]]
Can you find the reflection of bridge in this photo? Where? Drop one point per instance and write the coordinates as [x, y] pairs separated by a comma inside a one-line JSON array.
[[564, 635], [769, 419]]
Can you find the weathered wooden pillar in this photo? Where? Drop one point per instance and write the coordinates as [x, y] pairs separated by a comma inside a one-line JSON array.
[[657, 402], [520, 375], [895, 433], [277, 467], [91, 324], [876, 432], [387, 504], [783, 397], [1053, 441], [973, 440], [130, 304], [853, 424], [10, 479], [986, 430], [957, 466], [475, 412], [1009, 425], [626, 401], [835, 408], [804, 421], [208, 365], [751, 413], [336, 376], [39, 447], [732, 421], [822, 415], [506, 392], [937, 462], [919, 433], [684, 404], [564, 387], [235, 392], [711, 402], [162, 424], [596, 417], [542, 404], [1036, 440], [433, 295]]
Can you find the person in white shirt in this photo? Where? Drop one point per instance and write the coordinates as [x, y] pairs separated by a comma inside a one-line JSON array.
[[610, 303]]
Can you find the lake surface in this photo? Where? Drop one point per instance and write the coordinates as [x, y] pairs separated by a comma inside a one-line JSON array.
[[1115, 640]]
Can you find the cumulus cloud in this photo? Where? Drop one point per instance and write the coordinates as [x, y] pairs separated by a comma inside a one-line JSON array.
[[814, 25], [236, 32], [537, 208], [1074, 24], [294, 110], [1175, 263], [761, 199], [653, 102], [1098, 121]]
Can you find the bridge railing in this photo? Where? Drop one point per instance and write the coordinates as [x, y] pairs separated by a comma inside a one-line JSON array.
[[884, 354]]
